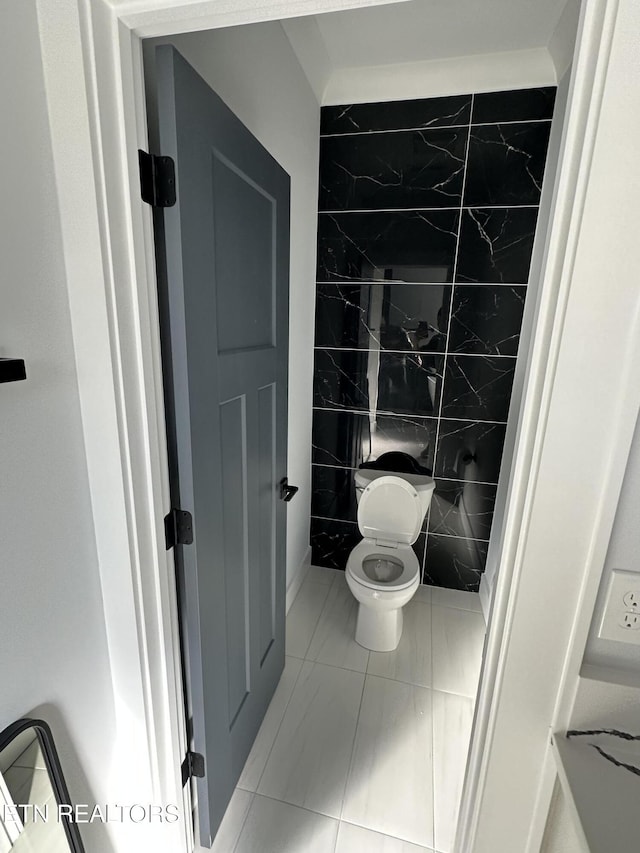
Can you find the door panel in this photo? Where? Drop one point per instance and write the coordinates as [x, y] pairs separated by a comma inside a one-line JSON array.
[[245, 276], [223, 255]]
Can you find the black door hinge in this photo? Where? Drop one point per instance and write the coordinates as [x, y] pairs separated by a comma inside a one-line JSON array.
[[157, 179], [193, 765], [178, 528]]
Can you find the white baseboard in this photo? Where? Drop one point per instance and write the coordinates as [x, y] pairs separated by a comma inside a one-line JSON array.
[[485, 597], [298, 578]]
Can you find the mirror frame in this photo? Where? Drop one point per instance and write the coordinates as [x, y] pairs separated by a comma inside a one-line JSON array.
[[54, 768]]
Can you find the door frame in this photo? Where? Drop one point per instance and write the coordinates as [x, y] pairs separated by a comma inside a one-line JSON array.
[[91, 51]]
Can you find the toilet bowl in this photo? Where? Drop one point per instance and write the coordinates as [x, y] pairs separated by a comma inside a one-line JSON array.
[[383, 571]]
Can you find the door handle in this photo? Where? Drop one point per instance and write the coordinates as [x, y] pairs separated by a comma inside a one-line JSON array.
[[287, 491]]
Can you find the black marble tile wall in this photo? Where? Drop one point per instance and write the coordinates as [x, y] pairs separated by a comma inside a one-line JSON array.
[[495, 244], [403, 246], [404, 318], [506, 163], [427, 217], [515, 105], [398, 115], [401, 383], [411, 169], [477, 388], [333, 541], [486, 320], [346, 439]]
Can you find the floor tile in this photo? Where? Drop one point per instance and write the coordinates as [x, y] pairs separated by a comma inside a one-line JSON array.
[[457, 641], [232, 822], [12, 753], [23, 751], [423, 593], [42, 835], [274, 827], [261, 748], [356, 839], [28, 785], [411, 661], [320, 574], [303, 616], [456, 598], [452, 720], [309, 762], [390, 787], [334, 639]]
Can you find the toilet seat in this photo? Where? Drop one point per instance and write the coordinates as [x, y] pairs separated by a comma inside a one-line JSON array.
[[389, 518], [390, 512], [403, 554]]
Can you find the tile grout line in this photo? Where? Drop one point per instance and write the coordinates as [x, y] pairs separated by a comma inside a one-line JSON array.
[[388, 835], [416, 353], [317, 625], [295, 684], [466, 538], [404, 416], [335, 845], [273, 743], [435, 127], [399, 281], [338, 821], [438, 477], [390, 678], [453, 277], [447, 535], [296, 806], [244, 821], [456, 606], [447, 337], [353, 745], [324, 603], [448, 208]]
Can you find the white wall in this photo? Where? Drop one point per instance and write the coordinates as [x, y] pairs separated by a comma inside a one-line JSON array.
[[518, 69], [54, 655], [256, 73], [562, 42], [560, 834]]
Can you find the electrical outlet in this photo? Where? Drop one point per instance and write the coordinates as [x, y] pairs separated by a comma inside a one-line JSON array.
[[630, 621], [621, 617]]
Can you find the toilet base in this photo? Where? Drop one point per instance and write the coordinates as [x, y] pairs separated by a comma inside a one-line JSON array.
[[379, 630]]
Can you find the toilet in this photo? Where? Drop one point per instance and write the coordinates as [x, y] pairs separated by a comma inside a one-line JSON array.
[[383, 571]]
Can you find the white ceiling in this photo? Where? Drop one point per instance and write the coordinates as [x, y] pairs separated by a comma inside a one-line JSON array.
[[421, 30]]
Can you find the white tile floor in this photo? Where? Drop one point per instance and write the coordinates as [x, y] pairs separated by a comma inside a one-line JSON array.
[[362, 752]]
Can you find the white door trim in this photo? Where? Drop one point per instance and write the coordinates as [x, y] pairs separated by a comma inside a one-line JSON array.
[[576, 432], [97, 115], [593, 44]]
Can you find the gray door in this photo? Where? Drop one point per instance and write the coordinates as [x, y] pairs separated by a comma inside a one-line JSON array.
[[223, 261]]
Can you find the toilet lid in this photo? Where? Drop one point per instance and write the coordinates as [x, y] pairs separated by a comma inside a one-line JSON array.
[[390, 510]]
